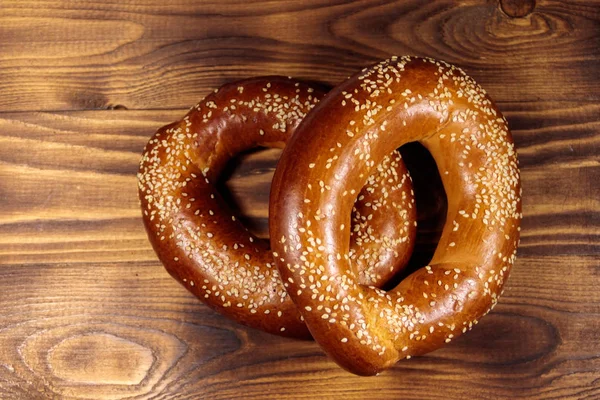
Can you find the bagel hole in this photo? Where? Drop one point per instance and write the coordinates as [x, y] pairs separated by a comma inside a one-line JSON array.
[[245, 184], [432, 206]]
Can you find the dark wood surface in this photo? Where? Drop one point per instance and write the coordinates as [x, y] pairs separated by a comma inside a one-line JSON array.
[[87, 311]]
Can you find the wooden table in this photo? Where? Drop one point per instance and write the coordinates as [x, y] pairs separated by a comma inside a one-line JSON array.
[[86, 309]]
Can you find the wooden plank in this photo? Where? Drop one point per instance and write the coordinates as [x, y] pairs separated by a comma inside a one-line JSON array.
[[89, 312], [73, 55], [54, 175], [98, 313]]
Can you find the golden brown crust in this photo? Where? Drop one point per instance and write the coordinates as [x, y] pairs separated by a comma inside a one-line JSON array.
[[400, 100], [202, 244]]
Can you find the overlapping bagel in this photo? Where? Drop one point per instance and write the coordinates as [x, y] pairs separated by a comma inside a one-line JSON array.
[[401, 100]]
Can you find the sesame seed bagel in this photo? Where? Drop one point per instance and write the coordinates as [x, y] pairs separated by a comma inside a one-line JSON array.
[[363, 328], [203, 245]]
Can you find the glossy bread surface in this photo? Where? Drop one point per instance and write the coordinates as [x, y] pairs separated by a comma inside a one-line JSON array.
[[204, 246], [397, 101]]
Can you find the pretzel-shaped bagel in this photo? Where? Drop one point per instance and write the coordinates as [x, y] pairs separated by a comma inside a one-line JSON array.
[[365, 329], [202, 244]]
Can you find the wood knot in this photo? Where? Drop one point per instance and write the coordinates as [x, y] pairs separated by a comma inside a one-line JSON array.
[[100, 359], [116, 107], [517, 8]]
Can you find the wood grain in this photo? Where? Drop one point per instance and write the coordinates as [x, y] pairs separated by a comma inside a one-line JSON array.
[[143, 54], [88, 312]]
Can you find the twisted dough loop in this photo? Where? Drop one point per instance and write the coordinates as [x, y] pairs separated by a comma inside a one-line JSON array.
[[202, 244], [400, 100]]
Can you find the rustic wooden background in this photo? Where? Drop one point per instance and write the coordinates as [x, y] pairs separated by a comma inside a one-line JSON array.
[[87, 311]]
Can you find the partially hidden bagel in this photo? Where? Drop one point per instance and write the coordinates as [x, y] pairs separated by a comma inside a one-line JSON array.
[[203, 245]]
